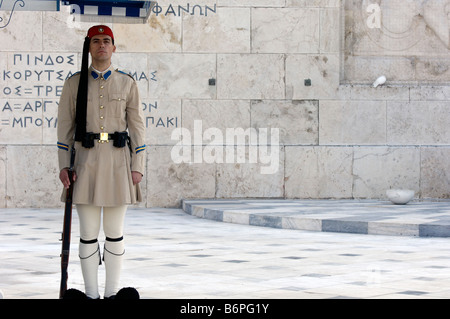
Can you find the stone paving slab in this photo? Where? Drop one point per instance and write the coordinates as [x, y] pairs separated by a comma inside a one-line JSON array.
[[420, 218]]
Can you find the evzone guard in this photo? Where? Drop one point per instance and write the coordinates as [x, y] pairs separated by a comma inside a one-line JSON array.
[[100, 115]]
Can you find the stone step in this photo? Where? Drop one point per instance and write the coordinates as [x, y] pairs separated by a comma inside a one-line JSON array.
[[417, 218]]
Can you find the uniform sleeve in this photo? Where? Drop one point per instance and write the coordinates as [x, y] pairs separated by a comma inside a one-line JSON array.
[[66, 125], [136, 129]]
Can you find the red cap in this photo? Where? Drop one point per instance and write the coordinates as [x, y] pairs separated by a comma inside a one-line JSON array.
[[100, 29]]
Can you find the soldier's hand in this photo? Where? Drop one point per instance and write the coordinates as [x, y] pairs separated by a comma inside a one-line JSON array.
[[136, 177], [64, 177]]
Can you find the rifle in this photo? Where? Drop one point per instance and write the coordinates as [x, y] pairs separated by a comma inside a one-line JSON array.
[[67, 229]]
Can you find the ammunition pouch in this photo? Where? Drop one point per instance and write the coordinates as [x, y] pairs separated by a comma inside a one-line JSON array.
[[120, 139], [88, 140]]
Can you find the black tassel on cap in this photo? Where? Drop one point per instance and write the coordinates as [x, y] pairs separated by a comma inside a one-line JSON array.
[[80, 119]]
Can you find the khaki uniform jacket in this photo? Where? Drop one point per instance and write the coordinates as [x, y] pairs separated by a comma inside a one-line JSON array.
[[104, 171]]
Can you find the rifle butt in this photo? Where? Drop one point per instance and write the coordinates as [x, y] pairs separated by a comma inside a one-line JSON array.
[[65, 238]]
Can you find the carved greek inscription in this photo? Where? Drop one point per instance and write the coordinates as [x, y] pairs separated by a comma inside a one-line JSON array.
[[30, 88]]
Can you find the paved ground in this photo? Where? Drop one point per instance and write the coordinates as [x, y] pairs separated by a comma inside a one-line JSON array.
[[172, 254]]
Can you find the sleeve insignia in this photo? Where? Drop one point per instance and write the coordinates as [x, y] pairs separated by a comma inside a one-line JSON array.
[[140, 148]]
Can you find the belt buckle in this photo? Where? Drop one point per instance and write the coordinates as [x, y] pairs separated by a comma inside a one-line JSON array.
[[103, 137]]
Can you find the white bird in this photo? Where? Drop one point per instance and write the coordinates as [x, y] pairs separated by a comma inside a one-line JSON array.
[[380, 81]]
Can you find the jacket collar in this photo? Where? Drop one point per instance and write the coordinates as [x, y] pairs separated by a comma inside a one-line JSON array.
[[97, 74]]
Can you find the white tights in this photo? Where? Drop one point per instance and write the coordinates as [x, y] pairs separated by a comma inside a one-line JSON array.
[[89, 249]]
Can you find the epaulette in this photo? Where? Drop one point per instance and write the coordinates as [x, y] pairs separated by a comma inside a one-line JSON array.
[[126, 73], [74, 74]]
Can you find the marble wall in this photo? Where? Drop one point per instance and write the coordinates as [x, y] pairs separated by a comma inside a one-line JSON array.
[[258, 98]]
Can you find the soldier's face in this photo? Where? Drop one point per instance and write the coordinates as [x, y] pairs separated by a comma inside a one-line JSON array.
[[101, 47]]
